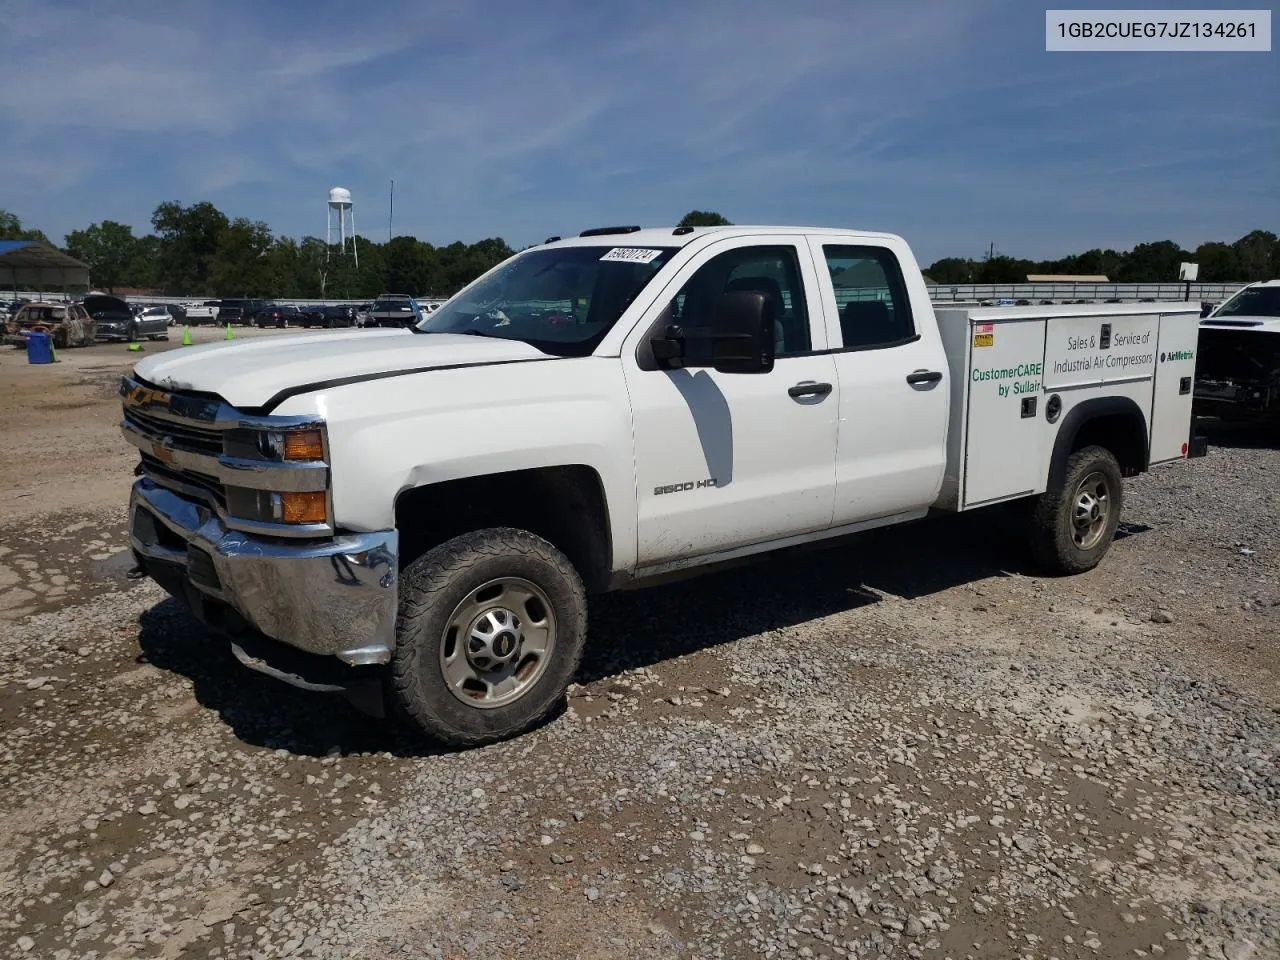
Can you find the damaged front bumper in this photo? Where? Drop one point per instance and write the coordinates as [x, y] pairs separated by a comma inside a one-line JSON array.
[[306, 612]]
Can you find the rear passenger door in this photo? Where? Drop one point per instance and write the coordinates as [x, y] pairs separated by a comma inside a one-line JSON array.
[[891, 444]]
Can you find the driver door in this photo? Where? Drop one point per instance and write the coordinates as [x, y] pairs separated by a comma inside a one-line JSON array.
[[725, 461]]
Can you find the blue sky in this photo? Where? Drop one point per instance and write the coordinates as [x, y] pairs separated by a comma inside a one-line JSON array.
[[946, 122]]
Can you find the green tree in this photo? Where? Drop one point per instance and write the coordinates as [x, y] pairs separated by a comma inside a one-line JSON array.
[[703, 218], [281, 268], [312, 268], [1002, 269], [1152, 263], [238, 267], [188, 241], [409, 263], [951, 270], [1218, 262], [1255, 253], [11, 228], [143, 270], [1095, 262], [108, 249]]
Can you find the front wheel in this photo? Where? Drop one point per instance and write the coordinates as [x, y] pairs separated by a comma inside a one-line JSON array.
[[1075, 521], [490, 633]]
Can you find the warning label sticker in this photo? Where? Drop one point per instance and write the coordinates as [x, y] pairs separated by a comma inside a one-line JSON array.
[[984, 334]]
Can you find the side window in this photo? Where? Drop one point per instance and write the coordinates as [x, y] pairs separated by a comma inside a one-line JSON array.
[[773, 271], [871, 297]]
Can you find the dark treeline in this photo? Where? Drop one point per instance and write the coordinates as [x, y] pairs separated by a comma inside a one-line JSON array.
[[1255, 256], [197, 250]]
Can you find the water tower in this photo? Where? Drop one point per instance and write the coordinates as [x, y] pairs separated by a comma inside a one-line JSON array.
[[340, 205]]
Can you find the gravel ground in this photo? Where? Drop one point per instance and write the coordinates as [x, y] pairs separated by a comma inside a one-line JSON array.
[[904, 746]]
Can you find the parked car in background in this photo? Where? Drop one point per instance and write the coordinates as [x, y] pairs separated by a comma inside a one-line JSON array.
[[10, 307], [394, 310], [240, 312], [328, 315], [69, 324], [278, 316], [206, 312], [171, 313], [1238, 368], [362, 314], [113, 319]]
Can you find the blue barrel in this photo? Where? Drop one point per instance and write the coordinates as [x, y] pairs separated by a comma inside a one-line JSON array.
[[39, 347]]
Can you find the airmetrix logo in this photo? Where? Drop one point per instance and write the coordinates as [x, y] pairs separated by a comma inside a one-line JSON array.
[[1177, 355]]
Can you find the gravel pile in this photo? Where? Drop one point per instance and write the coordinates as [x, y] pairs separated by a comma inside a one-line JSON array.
[[907, 747]]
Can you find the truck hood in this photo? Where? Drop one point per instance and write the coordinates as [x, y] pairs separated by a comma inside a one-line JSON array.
[[251, 373], [1258, 324]]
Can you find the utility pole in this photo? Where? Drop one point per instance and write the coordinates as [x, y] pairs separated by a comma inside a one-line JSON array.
[[391, 211]]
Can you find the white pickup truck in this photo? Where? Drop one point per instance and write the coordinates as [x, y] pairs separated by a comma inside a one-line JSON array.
[[427, 509]]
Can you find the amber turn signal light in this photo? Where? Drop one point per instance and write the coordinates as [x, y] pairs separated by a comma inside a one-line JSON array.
[[309, 507], [304, 445]]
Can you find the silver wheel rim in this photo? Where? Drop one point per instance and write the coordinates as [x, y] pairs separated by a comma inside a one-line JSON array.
[[1090, 510], [497, 643]]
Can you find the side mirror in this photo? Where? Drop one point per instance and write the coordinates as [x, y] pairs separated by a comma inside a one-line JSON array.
[[1206, 309], [742, 333]]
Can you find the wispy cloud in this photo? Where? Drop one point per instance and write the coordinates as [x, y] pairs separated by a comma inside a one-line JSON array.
[[945, 120]]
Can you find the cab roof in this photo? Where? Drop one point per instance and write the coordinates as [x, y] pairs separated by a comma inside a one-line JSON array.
[[680, 236]]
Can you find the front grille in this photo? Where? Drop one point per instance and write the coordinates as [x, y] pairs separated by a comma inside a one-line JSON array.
[[186, 435], [186, 482]]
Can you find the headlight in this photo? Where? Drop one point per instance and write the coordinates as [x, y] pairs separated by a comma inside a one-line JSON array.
[[293, 445], [289, 483]]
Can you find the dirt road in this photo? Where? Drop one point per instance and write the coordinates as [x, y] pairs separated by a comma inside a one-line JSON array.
[[906, 746]]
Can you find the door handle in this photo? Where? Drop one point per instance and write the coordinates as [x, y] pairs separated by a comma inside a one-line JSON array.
[[809, 388], [923, 376]]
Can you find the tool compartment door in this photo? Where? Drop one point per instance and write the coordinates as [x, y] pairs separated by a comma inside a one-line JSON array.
[[1175, 380], [1005, 423]]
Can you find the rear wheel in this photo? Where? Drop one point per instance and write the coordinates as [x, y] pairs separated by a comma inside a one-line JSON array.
[[490, 633], [1074, 522]]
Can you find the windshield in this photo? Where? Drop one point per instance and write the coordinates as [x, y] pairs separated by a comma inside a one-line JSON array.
[[1252, 302], [562, 301], [382, 305]]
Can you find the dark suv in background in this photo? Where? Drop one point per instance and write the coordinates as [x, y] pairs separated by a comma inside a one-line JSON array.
[[277, 316], [394, 310], [328, 316], [242, 312]]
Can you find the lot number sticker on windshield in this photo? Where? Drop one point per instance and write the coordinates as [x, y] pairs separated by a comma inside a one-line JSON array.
[[631, 254]]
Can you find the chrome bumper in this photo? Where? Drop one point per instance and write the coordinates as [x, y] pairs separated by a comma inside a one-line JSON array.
[[336, 597]]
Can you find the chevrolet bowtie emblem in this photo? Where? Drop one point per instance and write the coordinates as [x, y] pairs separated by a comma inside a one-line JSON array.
[[163, 450]]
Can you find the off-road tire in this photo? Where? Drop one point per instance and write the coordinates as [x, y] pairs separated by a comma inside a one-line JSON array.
[[1052, 529], [431, 588]]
